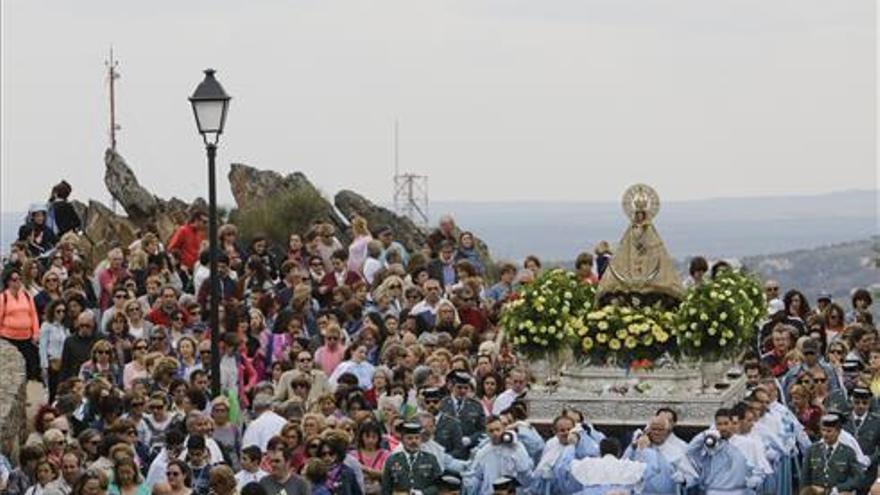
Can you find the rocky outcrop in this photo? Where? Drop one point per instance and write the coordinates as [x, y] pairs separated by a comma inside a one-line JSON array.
[[13, 398], [142, 206], [251, 187], [405, 231], [103, 230]]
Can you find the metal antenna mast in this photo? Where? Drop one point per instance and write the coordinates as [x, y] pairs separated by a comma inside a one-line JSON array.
[[112, 76], [410, 190]]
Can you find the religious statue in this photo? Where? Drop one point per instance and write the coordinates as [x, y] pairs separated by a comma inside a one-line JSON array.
[[641, 265]]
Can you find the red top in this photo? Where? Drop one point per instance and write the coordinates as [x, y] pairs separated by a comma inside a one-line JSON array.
[[188, 240]]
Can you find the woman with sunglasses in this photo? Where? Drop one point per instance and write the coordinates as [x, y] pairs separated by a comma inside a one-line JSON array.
[[801, 405], [51, 291], [179, 477], [137, 367], [53, 333], [102, 363], [19, 323], [341, 478]]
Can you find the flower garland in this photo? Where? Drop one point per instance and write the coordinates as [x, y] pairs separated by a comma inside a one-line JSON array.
[[625, 335], [717, 319], [546, 315]]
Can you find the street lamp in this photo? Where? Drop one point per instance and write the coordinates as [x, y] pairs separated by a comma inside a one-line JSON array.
[[210, 104]]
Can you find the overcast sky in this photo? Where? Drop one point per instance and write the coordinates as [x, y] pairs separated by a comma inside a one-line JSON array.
[[497, 99]]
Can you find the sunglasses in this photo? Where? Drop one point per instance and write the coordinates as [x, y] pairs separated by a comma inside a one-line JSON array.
[[138, 404], [102, 352], [820, 380], [140, 348], [305, 359], [835, 351], [172, 474], [119, 296], [156, 407]]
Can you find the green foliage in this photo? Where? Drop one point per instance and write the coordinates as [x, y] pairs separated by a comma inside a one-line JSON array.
[[278, 216]]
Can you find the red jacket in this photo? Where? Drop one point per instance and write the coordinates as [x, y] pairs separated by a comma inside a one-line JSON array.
[[188, 240], [329, 280]]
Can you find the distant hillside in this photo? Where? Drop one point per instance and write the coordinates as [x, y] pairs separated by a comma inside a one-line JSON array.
[[837, 268], [716, 228]]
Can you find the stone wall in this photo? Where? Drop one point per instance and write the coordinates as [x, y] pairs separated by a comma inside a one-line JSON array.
[[13, 398]]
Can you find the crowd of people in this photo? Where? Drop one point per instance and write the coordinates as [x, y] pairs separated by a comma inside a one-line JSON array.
[[370, 368]]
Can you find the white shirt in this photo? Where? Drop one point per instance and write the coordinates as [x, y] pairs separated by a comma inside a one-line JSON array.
[[262, 429], [504, 401], [371, 266], [244, 477]]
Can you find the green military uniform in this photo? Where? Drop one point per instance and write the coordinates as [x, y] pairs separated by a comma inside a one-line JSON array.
[[448, 434], [470, 414], [867, 432], [404, 472], [841, 469]]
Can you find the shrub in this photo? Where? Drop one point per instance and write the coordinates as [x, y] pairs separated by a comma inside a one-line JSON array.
[[282, 215]]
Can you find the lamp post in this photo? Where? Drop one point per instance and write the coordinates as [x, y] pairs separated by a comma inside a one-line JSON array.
[[210, 104]]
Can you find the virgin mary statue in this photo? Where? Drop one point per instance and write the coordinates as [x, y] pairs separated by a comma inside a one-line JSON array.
[[641, 265]]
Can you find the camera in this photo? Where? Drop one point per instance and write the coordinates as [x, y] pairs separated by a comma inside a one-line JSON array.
[[507, 438], [711, 440]]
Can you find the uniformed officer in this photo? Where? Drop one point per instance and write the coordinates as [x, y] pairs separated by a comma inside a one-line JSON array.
[[449, 484], [504, 486], [864, 425], [411, 471], [447, 429], [829, 464], [467, 410]]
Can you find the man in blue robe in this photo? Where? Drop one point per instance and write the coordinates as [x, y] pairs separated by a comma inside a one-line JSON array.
[[503, 455], [722, 468]]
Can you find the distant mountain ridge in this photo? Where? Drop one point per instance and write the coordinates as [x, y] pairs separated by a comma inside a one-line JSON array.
[[728, 227]]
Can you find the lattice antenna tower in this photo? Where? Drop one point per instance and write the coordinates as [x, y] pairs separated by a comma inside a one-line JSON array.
[[410, 190], [112, 76]]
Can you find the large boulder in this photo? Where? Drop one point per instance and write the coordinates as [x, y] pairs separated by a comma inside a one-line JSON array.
[[139, 203], [103, 230], [142, 206], [252, 187], [405, 230]]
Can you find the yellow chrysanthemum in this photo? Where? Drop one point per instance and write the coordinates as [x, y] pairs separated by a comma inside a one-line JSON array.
[[587, 343], [614, 344], [601, 338], [631, 342]]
